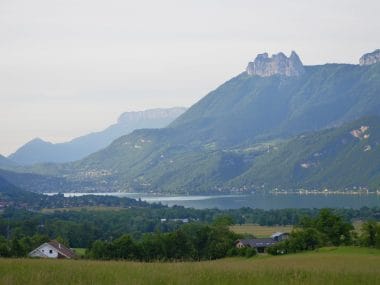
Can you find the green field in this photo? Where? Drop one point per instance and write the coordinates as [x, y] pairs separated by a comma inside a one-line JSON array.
[[259, 231], [345, 265], [266, 231], [79, 251]]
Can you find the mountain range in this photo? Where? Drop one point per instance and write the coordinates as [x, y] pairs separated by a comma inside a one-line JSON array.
[[279, 124], [40, 151]]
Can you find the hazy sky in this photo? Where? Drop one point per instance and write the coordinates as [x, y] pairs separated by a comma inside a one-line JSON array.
[[68, 67]]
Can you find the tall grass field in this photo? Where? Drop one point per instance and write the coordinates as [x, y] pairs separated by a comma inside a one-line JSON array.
[[346, 265]]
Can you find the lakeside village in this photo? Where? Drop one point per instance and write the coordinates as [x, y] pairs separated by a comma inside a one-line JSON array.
[[360, 190], [355, 190]]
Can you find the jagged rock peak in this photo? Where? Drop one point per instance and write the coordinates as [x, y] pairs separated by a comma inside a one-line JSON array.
[[370, 58], [265, 66]]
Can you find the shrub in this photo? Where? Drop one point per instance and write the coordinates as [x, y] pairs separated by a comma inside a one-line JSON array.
[[249, 252]]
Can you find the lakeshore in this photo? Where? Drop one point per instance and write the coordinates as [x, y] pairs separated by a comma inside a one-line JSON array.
[[278, 200]]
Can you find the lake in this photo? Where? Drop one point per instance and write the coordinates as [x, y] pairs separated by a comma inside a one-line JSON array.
[[261, 201]]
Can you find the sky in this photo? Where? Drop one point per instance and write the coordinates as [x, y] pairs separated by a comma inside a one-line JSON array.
[[70, 67]]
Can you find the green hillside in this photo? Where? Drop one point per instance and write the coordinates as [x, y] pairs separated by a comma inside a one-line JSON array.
[[251, 108], [332, 158], [14, 195], [338, 158]]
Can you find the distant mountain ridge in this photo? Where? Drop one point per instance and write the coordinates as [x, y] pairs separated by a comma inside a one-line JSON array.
[[5, 162], [229, 139], [40, 151]]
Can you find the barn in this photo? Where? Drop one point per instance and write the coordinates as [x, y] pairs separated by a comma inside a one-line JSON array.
[[261, 244]]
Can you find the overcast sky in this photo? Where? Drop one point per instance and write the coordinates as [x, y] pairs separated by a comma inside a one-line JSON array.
[[69, 67]]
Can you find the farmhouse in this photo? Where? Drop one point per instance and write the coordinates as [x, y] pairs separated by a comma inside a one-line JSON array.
[[52, 249], [261, 244]]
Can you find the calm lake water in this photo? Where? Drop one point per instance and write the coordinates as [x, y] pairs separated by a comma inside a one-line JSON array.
[[266, 202]]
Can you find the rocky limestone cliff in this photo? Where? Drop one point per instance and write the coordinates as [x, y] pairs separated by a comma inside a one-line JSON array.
[[266, 66], [370, 58]]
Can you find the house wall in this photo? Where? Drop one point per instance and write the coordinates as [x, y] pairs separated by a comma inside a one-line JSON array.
[[45, 250]]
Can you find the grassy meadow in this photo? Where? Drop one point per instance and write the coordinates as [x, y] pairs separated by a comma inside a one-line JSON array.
[[259, 231], [266, 231], [345, 265]]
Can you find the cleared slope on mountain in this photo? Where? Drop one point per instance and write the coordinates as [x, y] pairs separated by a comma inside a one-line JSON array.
[[39, 151], [338, 158]]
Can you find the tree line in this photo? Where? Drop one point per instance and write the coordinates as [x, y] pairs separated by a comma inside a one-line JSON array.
[[193, 241], [190, 242], [20, 247], [82, 227], [327, 229]]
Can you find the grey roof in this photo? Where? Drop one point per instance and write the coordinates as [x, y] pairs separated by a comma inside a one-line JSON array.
[[277, 234], [258, 242]]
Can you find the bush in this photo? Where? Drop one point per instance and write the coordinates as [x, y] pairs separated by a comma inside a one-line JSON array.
[[249, 252], [233, 251], [278, 248], [243, 252]]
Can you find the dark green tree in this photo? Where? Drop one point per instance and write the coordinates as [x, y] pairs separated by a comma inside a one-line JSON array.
[[370, 234], [334, 229]]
